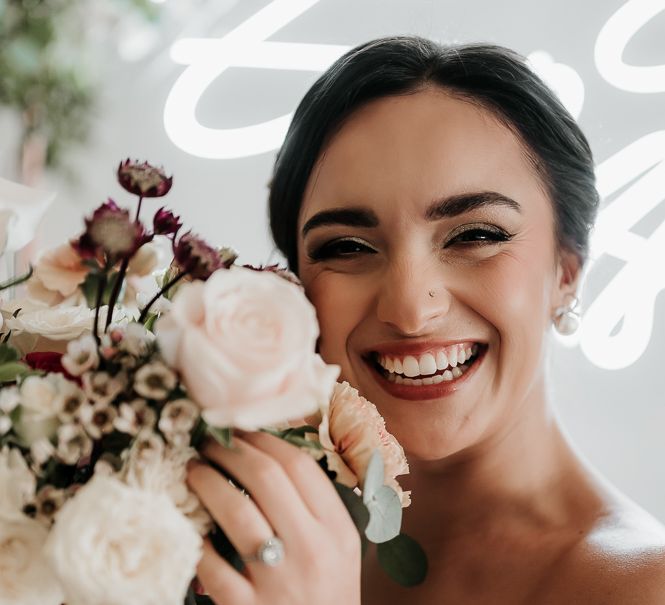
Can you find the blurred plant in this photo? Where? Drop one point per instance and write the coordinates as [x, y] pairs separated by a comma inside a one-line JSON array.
[[48, 73]]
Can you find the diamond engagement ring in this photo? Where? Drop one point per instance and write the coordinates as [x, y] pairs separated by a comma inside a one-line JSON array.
[[271, 552]]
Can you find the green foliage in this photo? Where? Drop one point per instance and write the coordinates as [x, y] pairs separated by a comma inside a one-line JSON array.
[[11, 369], [223, 436], [403, 559], [46, 77], [383, 503]]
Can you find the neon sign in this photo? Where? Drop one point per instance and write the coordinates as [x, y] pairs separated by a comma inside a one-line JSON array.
[[618, 323]]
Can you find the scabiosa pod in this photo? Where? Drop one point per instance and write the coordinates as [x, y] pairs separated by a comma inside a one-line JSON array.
[[196, 257], [165, 222], [143, 179]]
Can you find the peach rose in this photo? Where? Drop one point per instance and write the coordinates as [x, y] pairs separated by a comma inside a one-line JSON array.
[[350, 430], [58, 274], [244, 343]]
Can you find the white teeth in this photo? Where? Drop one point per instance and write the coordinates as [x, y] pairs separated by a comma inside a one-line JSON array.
[[399, 379], [398, 366], [469, 352], [461, 356], [428, 380], [389, 365], [427, 364], [447, 375], [417, 382], [411, 367], [452, 357], [441, 361], [437, 379], [457, 372]]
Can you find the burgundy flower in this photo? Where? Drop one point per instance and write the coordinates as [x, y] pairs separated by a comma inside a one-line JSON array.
[[165, 222], [45, 361], [143, 179], [194, 256], [112, 231]]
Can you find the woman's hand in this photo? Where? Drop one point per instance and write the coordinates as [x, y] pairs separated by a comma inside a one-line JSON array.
[[291, 498]]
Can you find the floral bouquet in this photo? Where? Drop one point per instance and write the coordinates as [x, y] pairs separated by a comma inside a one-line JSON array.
[[110, 381]]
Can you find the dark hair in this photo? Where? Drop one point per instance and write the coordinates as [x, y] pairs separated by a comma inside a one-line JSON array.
[[492, 76]]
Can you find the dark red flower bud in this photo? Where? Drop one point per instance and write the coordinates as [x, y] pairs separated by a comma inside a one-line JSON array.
[[165, 222], [194, 256], [143, 179], [111, 231]]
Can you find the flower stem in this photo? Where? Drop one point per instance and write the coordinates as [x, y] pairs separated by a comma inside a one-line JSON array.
[[138, 209], [120, 277], [164, 289], [98, 303]]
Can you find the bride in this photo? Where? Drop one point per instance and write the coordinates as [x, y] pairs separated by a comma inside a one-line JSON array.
[[436, 203]]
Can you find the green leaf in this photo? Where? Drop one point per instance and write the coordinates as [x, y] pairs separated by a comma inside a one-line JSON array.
[[385, 515], [302, 442], [373, 476], [150, 322], [12, 371], [8, 353], [403, 559], [223, 436], [354, 504]]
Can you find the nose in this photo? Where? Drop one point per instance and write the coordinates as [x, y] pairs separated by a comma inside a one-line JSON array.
[[412, 297]]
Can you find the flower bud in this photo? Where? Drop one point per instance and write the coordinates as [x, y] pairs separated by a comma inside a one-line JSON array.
[[165, 222], [143, 179], [194, 256]]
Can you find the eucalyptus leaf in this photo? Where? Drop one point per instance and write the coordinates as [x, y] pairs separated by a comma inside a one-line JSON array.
[[373, 476], [8, 353], [302, 442], [223, 436], [12, 371], [403, 559], [385, 515]]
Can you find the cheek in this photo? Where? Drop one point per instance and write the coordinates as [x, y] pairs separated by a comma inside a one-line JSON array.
[[340, 303]]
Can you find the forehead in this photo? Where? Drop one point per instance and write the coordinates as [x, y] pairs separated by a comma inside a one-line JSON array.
[[405, 151]]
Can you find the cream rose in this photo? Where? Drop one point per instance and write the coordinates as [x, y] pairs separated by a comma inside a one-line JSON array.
[[113, 544], [25, 576], [41, 328], [42, 400], [244, 344], [350, 430]]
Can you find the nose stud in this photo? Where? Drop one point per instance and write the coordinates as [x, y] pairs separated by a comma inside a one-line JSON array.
[[431, 293]]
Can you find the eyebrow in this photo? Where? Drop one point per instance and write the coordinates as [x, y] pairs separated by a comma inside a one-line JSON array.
[[444, 208]]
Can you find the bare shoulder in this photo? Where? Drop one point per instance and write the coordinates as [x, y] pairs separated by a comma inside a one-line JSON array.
[[619, 560]]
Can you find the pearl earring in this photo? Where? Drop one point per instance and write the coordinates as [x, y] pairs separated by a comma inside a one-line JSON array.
[[567, 318]]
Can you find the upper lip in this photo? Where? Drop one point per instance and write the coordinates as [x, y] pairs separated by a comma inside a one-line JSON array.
[[417, 348]]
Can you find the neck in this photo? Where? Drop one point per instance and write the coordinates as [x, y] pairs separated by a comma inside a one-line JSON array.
[[526, 472]]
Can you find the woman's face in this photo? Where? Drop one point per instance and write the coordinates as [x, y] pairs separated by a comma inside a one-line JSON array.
[[425, 238]]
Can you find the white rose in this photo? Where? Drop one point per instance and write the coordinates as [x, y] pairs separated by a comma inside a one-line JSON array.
[[42, 399], [39, 328], [17, 484], [116, 545], [25, 576], [244, 344]]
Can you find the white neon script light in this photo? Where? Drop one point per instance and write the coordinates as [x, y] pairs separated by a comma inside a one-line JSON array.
[[612, 41], [245, 46]]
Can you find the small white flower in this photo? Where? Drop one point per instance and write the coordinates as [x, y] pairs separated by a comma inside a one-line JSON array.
[[137, 341], [41, 402], [101, 387], [155, 380], [41, 451], [147, 446], [81, 355], [98, 419], [73, 399], [9, 399], [25, 575], [177, 419], [73, 443], [116, 544], [5, 424], [48, 502], [134, 417]]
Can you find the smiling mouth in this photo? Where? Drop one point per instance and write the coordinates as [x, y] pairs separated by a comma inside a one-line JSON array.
[[428, 369]]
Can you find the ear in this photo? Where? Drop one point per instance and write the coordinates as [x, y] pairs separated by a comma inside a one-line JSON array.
[[568, 275]]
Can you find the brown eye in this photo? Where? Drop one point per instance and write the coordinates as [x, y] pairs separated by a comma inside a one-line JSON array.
[[479, 235], [341, 248]]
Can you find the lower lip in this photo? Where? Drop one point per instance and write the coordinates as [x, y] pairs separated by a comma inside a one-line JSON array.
[[426, 391]]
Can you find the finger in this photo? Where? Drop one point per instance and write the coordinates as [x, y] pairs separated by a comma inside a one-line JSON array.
[[234, 512], [266, 481], [220, 580], [315, 488]]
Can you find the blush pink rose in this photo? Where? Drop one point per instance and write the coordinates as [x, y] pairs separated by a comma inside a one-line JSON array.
[[243, 343], [60, 272], [350, 430]]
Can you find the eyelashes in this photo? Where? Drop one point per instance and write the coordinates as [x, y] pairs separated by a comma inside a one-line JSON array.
[[465, 237]]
